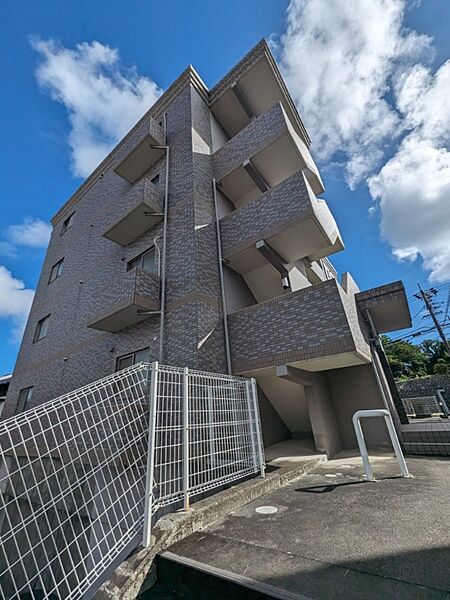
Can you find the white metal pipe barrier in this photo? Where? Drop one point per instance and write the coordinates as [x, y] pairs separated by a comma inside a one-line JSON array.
[[83, 476], [379, 412]]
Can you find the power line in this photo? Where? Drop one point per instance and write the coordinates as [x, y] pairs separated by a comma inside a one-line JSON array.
[[426, 296]]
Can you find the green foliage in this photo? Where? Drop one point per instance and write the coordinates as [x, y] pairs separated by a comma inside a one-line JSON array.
[[408, 360]]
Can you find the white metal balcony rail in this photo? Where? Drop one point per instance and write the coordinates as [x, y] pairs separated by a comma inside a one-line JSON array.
[[75, 471]]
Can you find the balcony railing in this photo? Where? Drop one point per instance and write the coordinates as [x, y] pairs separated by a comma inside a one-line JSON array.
[[126, 301], [289, 217], [147, 147], [315, 327], [143, 209]]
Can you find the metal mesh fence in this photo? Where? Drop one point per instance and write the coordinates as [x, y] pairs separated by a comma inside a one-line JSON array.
[[424, 407], [82, 475]]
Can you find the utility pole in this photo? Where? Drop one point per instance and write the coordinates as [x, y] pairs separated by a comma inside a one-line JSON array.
[[426, 298]]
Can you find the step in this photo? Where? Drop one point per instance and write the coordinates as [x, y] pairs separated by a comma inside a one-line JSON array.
[[180, 577]]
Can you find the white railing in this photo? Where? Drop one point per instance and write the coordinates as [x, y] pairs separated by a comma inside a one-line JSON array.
[[386, 415], [75, 472]]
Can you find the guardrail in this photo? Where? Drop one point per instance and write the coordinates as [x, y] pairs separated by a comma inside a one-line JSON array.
[[83, 477]]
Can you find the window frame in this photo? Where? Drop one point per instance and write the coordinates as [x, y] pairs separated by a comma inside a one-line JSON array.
[[37, 331], [67, 223], [59, 272], [27, 397], [157, 177], [141, 256], [130, 354]]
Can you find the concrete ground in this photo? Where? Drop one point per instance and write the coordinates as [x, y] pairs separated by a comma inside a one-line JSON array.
[[336, 536]]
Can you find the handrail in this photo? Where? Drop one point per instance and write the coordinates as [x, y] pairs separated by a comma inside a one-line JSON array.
[[378, 412]]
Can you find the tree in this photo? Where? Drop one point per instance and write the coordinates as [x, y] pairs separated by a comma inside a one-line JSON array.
[[437, 358], [406, 359]]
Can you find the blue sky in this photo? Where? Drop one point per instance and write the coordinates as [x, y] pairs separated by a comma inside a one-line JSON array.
[[373, 92]]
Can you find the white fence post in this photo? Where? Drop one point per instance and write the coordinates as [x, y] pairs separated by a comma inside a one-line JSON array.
[[262, 462], [152, 402], [211, 427], [249, 393], [359, 414], [185, 409]]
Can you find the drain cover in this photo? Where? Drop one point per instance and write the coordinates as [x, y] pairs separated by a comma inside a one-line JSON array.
[[266, 510]]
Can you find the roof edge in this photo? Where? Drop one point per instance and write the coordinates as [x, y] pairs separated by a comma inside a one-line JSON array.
[[188, 76]]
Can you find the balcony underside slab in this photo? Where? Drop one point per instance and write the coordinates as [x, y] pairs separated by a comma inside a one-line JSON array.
[[143, 156], [133, 224], [387, 305]]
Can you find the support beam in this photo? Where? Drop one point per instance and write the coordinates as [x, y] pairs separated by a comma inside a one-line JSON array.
[[275, 260], [255, 175], [241, 98]]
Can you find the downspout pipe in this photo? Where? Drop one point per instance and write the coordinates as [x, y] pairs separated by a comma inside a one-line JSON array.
[[222, 285], [164, 251]]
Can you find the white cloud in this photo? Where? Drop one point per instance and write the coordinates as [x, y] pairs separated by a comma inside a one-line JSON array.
[[102, 99], [413, 187], [15, 301], [31, 232], [338, 58], [359, 80]]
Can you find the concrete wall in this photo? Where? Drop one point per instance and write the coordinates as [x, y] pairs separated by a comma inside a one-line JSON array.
[[289, 401], [425, 386], [237, 292], [352, 389], [273, 427], [323, 415]]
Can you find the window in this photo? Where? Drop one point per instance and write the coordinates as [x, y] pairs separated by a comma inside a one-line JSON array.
[[146, 261], [25, 396], [56, 271], [41, 329], [67, 223], [155, 180], [132, 359]]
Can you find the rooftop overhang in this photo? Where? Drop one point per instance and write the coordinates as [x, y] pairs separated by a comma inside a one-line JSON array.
[[249, 90], [388, 307]]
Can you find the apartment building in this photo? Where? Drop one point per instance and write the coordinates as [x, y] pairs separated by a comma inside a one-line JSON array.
[[202, 241]]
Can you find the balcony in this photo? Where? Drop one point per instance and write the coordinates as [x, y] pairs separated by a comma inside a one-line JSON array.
[[121, 303], [268, 146], [145, 151], [289, 217], [249, 90], [145, 204], [387, 305], [315, 328]]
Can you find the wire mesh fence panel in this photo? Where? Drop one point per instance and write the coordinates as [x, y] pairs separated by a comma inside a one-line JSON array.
[[71, 487], [422, 407], [207, 433], [83, 477]]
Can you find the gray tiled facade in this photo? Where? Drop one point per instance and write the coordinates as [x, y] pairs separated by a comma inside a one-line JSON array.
[[101, 308]]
